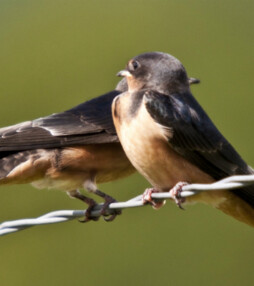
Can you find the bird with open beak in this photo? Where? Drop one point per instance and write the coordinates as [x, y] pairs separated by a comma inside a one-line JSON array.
[[170, 139]]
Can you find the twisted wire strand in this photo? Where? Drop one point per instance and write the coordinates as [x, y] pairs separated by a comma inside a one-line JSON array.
[[228, 183]]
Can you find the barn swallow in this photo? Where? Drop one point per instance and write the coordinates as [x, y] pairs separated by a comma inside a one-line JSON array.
[[74, 149], [70, 150], [170, 139]]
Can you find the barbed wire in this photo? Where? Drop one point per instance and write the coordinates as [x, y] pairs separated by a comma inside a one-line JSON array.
[[228, 183]]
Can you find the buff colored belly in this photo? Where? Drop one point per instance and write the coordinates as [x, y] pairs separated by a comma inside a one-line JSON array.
[[147, 147]]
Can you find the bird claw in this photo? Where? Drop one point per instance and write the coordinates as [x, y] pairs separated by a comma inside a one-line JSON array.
[[176, 194], [147, 198], [104, 211], [88, 214], [111, 218]]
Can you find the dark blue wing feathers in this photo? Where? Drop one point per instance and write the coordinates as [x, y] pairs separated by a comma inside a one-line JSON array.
[[196, 138]]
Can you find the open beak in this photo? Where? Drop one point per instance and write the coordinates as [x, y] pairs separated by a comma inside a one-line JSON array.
[[124, 73]]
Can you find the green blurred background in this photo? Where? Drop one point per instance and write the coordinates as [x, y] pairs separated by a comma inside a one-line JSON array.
[[58, 53]]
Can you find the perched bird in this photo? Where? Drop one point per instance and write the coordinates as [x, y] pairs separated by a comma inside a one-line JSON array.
[[70, 150], [74, 149], [169, 138]]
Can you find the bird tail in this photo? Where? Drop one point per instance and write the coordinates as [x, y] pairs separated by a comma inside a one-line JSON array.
[[246, 193], [240, 203]]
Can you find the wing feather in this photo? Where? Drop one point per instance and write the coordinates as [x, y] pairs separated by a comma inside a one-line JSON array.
[[88, 123], [196, 138]]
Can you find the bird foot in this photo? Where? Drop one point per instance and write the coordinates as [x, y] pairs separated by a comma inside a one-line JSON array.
[[147, 198], [104, 211], [88, 215], [176, 194], [90, 202]]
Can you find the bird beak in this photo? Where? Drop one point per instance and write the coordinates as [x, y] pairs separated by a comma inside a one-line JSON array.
[[193, 80], [124, 73]]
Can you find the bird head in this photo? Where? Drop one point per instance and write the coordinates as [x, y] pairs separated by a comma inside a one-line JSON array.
[[157, 71]]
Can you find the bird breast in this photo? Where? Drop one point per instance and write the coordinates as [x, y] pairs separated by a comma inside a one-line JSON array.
[[146, 144]]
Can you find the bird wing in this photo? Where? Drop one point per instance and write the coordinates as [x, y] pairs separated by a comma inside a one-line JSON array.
[[196, 138], [88, 123]]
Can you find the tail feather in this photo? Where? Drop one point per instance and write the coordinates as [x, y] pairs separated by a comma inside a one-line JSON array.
[[246, 193]]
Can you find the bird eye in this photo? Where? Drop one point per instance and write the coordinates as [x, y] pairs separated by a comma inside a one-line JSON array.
[[134, 65]]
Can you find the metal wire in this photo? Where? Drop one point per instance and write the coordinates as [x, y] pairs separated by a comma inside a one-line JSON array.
[[66, 215]]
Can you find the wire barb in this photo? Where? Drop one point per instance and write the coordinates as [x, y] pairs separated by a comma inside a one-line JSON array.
[[228, 183]]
